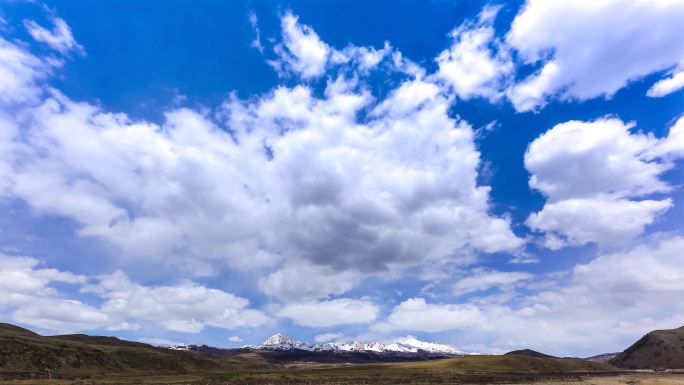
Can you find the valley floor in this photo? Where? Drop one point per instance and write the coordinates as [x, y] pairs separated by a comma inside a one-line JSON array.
[[309, 378]]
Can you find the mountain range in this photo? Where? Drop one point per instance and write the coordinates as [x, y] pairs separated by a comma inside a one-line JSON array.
[[281, 348], [405, 345]]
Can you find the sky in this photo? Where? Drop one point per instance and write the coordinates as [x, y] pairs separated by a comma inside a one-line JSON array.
[[488, 175]]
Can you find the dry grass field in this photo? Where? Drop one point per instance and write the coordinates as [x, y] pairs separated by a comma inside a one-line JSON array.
[[280, 378]]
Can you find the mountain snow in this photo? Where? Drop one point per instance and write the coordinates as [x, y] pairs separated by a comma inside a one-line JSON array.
[[408, 344]]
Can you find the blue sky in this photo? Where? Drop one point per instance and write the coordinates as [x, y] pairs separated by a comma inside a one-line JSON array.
[[489, 175]]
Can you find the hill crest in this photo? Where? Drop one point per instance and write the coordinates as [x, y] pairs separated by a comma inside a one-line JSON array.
[[659, 349]]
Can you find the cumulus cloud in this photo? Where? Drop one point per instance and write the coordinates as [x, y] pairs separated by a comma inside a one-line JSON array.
[[327, 337], [483, 279], [364, 59], [606, 221], [19, 73], [565, 315], [623, 42], [187, 307], [317, 187], [301, 51], [415, 314], [60, 38], [288, 179], [477, 64], [28, 296], [669, 85], [640, 294], [156, 341], [64, 315], [21, 280], [590, 173], [332, 312], [306, 282]]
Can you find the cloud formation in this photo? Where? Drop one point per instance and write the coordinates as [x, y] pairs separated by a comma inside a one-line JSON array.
[[313, 189], [301, 51], [21, 280], [186, 307], [587, 50], [560, 315], [476, 64], [591, 174], [286, 179], [59, 38], [340, 311]]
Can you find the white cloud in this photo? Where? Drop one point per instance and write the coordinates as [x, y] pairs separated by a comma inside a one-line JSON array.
[[483, 279], [476, 64], [187, 307], [327, 337], [415, 314], [591, 312], [627, 293], [669, 85], [159, 341], [306, 282], [21, 281], [59, 38], [62, 315], [300, 180], [19, 73], [593, 49], [590, 173], [302, 51], [254, 22], [28, 296], [235, 339], [606, 221], [333, 312]]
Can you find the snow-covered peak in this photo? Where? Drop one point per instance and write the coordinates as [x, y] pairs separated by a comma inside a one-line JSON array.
[[355, 346], [407, 345], [180, 347], [279, 340], [413, 342]]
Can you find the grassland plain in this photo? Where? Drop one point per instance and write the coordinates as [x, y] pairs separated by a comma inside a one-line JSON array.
[[361, 376], [29, 358]]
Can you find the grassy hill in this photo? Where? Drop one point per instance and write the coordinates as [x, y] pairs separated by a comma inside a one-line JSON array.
[[511, 364], [528, 353], [24, 354], [659, 349]]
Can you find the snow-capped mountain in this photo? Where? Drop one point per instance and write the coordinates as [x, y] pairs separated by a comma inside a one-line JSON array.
[[280, 340], [407, 345], [431, 347]]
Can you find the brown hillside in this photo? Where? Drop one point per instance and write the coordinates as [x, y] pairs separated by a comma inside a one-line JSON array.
[[24, 354], [659, 349]]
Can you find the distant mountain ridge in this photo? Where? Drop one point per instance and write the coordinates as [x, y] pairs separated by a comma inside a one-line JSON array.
[[283, 348], [405, 345]]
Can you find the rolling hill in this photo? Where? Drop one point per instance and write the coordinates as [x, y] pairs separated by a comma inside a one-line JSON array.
[[24, 354], [528, 353], [659, 349]]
